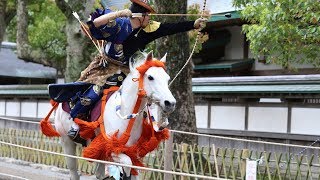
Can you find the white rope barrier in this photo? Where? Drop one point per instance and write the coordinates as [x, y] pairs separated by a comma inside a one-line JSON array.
[[18, 120], [207, 135], [245, 140], [112, 163]]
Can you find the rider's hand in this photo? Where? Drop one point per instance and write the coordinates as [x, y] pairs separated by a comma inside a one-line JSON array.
[[125, 13], [200, 23]]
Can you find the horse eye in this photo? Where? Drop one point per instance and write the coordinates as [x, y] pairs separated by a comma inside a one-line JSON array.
[[150, 77]]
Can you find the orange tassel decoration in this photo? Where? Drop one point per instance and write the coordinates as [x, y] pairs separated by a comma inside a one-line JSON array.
[[46, 126], [87, 128]]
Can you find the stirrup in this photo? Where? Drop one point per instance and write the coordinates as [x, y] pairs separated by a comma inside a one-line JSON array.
[[75, 136]]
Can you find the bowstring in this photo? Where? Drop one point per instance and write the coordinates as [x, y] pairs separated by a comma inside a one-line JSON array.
[[194, 46]]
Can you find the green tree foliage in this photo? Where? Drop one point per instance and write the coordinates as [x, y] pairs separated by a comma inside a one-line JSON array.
[[45, 29], [7, 12], [286, 32], [195, 9]]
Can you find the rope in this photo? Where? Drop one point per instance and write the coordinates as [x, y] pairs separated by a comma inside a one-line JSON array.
[[17, 120], [183, 15], [193, 49], [244, 140], [210, 136], [111, 163]]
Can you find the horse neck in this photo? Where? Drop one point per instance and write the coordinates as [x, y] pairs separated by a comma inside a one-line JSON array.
[[130, 94]]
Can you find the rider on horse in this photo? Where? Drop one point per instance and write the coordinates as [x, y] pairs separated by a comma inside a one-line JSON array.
[[124, 33]]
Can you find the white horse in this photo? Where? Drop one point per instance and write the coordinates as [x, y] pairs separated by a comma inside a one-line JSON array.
[[155, 84]]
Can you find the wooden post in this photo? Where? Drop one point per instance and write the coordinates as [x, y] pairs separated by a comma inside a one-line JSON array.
[[168, 157], [215, 160], [244, 157]]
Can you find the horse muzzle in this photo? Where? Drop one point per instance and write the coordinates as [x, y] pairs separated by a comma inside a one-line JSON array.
[[169, 106]]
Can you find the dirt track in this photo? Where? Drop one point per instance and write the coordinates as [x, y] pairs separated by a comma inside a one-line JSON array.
[[20, 170]]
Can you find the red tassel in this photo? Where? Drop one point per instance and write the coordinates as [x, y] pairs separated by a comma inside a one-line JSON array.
[[163, 135], [149, 146], [47, 129], [45, 124], [87, 128], [96, 149]]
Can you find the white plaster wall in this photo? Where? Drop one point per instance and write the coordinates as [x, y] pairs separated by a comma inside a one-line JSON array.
[[234, 49], [60, 81], [2, 107], [268, 119], [201, 116], [13, 108], [43, 109], [228, 117], [29, 108], [305, 121]]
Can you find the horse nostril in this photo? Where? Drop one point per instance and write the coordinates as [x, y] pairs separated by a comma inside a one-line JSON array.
[[167, 103]]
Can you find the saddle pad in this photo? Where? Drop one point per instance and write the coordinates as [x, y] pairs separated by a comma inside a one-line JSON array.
[[96, 111]]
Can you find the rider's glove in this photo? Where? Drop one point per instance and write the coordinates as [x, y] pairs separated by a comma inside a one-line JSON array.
[[124, 13]]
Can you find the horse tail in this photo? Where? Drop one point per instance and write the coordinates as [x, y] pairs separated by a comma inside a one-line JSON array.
[[46, 126]]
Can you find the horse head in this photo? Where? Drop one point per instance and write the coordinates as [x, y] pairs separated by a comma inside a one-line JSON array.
[[153, 80]]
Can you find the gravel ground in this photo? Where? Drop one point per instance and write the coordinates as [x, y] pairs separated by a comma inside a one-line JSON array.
[[11, 169]]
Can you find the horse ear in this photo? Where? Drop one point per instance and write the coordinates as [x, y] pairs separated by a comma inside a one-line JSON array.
[[150, 56], [164, 58]]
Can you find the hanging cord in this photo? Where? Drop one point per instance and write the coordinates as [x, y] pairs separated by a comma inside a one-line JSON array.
[[194, 46]]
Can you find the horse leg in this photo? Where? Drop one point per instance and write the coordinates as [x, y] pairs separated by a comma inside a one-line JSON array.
[[69, 147], [123, 159]]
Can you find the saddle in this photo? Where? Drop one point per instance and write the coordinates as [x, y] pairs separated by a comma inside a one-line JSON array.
[[83, 98]]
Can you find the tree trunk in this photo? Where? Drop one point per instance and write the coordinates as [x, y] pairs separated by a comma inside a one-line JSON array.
[[24, 50], [77, 55], [22, 33], [76, 58], [177, 46], [3, 5]]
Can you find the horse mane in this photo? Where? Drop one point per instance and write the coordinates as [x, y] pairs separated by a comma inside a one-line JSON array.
[[138, 59]]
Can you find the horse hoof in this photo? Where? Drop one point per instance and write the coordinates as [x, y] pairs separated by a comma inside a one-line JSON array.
[[124, 176]]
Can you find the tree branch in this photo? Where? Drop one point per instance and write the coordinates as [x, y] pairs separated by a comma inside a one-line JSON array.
[[64, 7]]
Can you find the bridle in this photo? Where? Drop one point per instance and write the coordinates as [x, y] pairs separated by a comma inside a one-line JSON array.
[[142, 69]]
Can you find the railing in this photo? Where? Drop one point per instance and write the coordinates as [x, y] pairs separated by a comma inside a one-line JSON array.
[[209, 161]]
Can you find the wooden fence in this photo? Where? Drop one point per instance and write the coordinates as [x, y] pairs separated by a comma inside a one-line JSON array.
[[209, 161]]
